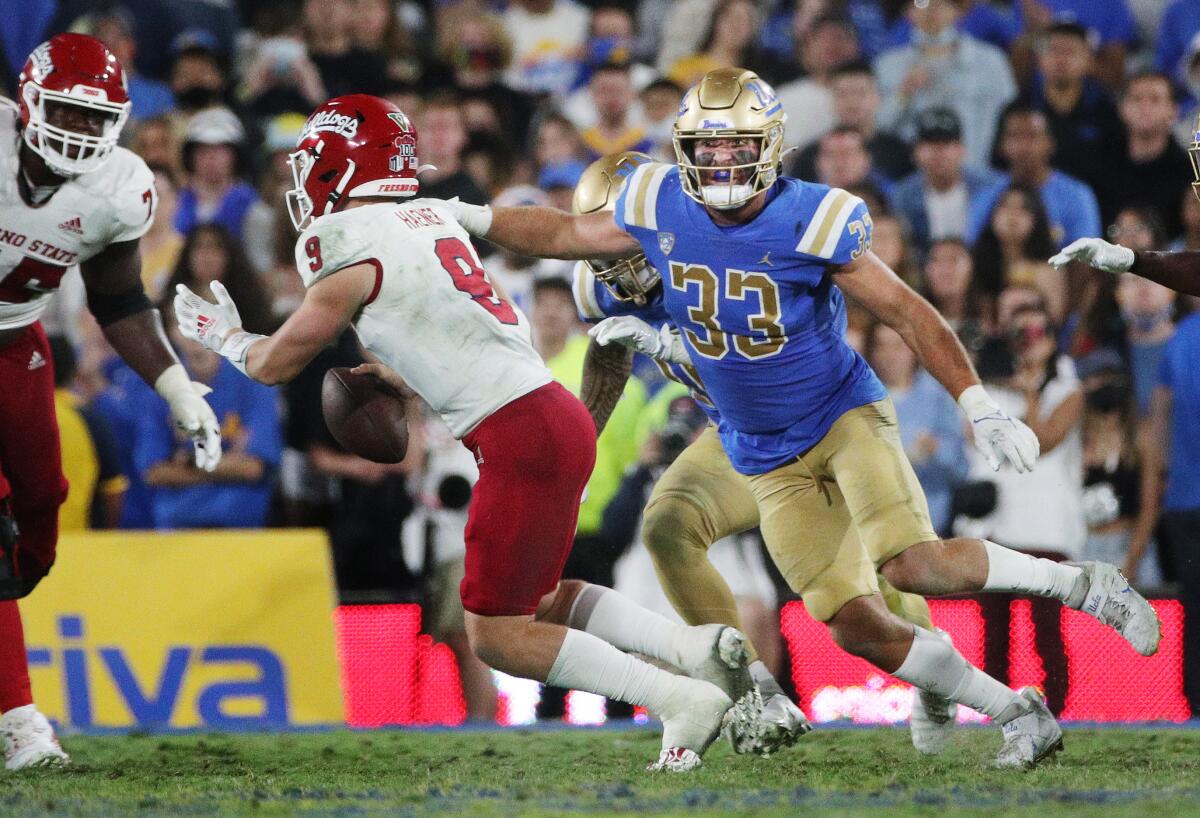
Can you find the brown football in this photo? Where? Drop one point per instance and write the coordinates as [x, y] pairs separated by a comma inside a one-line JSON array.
[[366, 417]]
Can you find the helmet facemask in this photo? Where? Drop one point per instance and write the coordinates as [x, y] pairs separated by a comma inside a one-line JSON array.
[[629, 280], [1194, 155], [726, 187], [299, 203], [71, 153]]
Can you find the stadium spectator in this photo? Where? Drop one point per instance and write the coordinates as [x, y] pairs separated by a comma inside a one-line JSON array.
[[931, 427], [281, 76], [855, 105], [842, 160], [891, 241], [1154, 170], [443, 138], [1026, 145], [1175, 426], [211, 253], [238, 493], [807, 83], [611, 39], [198, 78], [1108, 22], [114, 27], [618, 125], [376, 28], [950, 286], [161, 245], [474, 48], [344, 67], [1113, 479], [215, 192], [730, 41], [660, 103], [936, 199], [944, 68], [156, 142], [274, 180], [982, 20], [91, 461], [1190, 219], [1083, 120], [548, 38], [1013, 248], [1041, 512]]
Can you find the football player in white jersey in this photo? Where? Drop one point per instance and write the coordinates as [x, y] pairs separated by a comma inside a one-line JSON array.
[[405, 275], [68, 197]]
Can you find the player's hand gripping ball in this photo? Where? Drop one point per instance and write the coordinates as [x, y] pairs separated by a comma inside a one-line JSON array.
[[364, 409]]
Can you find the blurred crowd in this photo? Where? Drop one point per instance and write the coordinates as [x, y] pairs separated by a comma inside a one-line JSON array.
[[983, 135]]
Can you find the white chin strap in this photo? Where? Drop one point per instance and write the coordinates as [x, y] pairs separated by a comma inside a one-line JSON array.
[[726, 197]]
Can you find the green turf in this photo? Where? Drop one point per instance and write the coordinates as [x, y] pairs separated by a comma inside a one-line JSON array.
[[1144, 773]]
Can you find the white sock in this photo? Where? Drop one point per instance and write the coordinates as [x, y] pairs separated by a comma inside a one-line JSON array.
[[1010, 570], [763, 678], [623, 623], [586, 662], [933, 664]]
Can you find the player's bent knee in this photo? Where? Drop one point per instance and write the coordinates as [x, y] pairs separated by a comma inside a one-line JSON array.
[[672, 525], [908, 571], [865, 628]]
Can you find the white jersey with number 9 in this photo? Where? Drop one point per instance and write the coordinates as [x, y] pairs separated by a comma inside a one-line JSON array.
[[433, 315]]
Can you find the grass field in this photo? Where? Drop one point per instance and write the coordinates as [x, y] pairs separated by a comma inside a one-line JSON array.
[[1144, 773]]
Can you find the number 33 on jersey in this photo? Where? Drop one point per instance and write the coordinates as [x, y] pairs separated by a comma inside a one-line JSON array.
[[432, 310], [756, 303]]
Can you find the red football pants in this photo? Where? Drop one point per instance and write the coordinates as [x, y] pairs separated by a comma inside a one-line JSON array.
[[535, 456], [32, 485]]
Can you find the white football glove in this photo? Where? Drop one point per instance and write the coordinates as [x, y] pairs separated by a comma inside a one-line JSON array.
[[216, 326], [632, 332], [1111, 258], [999, 437], [475, 219], [191, 413]]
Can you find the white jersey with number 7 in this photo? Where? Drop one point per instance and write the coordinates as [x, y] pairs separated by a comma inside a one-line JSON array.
[[433, 315]]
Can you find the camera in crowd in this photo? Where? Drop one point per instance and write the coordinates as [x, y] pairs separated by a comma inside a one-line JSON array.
[[685, 420]]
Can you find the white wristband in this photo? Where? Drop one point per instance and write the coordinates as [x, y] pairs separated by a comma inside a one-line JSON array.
[[173, 381], [475, 219], [976, 402], [237, 346]]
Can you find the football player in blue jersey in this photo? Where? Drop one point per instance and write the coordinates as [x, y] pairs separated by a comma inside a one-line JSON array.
[[700, 498], [749, 260]]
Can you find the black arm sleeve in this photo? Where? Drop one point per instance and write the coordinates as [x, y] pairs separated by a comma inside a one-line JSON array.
[[108, 308]]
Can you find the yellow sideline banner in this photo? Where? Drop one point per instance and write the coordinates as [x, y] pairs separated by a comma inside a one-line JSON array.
[[224, 629]]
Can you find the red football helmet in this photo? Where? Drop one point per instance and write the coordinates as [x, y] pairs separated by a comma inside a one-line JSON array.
[[352, 146], [73, 70]]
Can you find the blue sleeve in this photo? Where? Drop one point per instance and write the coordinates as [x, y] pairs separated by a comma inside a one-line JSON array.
[[260, 418], [108, 456], [855, 237]]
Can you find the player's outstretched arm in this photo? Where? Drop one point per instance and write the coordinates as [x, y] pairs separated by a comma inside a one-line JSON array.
[[997, 436], [546, 232], [328, 308], [115, 296], [605, 371], [1179, 271]]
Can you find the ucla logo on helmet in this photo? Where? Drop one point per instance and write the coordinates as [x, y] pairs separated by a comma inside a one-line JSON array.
[[764, 93], [717, 124], [332, 121]]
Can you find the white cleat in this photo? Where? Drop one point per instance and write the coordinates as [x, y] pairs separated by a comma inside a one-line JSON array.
[[1111, 600], [932, 721], [763, 728], [1030, 737], [725, 664], [691, 721], [29, 740]]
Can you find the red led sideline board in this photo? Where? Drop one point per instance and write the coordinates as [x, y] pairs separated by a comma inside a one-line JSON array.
[[393, 674]]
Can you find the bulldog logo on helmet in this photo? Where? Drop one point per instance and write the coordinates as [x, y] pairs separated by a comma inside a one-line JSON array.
[[334, 122]]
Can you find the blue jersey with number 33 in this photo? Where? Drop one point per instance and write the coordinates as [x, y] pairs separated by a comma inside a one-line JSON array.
[[757, 307]]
